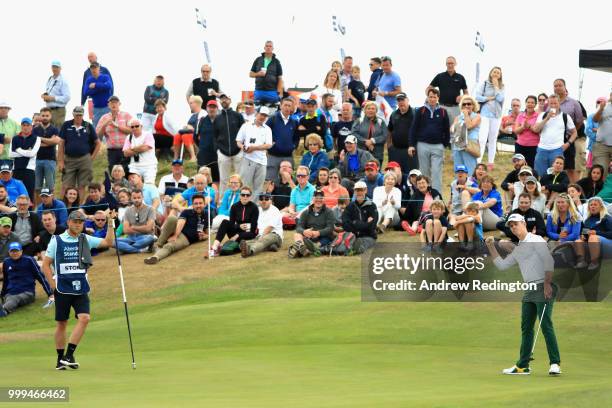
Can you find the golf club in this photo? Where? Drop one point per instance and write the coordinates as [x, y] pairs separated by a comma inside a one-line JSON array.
[[127, 316], [538, 331]]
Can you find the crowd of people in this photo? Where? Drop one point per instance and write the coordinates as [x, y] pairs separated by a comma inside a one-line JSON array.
[[339, 165]]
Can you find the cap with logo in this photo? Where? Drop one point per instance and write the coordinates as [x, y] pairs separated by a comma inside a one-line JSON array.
[[515, 218], [178, 162], [360, 185], [525, 169], [264, 110], [415, 172], [45, 192], [6, 166], [371, 166], [350, 139], [26, 120], [311, 101], [460, 168], [77, 216], [518, 156], [15, 246], [401, 95], [212, 102], [319, 193], [531, 179], [5, 105]]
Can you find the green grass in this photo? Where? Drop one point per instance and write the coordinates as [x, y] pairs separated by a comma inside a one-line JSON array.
[[273, 332]]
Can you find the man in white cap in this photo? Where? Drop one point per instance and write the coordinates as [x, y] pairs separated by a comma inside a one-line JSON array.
[[57, 94], [8, 129], [352, 162], [254, 139], [536, 265]]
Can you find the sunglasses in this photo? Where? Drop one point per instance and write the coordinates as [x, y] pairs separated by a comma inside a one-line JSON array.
[[264, 198], [205, 72], [333, 177], [135, 126], [302, 175], [467, 104], [542, 100], [245, 194], [100, 219]]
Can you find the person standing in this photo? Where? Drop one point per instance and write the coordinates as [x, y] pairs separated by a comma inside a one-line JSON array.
[[205, 139], [69, 254], [268, 73], [56, 95], [151, 94], [45, 158], [451, 84], [575, 156], [284, 138], [389, 84], [93, 58], [254, 139], [139, 147], [490, 95], [228, 154], [602, 148], [113, 126], [205, 87], [8, 129], [99, 88], [399, 125], [24, 148], [526, 139], [536, 265], [374, 76]]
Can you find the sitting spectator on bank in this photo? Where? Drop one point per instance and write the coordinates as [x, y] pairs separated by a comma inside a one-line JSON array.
[[563, 223], [118, 177], [242, 223], [26, 225], [315, 158], [71, 199], [123, 202], [231, 196], [352, 162], [270, 225], [20, 275], [50, 228], [6, 236], [139, 147], [338, 211], [200, 187], [388, 200], [533, 218], [490, 202], [150, 193], [537, 198], [14, 187], [434, 234], [373, 178], [574, 191], [96, 228], [360, 218], [315, 228], [322, 178], [555, 181], [518, 162], [301, 197], [49, 203], [469, 226], [462, 190], [138, 224], [6, 205], [595, 242], [593, 182], [419, 204], [334, 190], [412, 176], [178, 233], [95, 201], [518, 186], [402, 183]]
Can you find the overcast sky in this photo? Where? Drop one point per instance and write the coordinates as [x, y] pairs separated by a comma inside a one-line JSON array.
[[533, 42]]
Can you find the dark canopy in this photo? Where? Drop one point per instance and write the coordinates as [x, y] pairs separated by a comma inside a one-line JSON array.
[[600, 60]]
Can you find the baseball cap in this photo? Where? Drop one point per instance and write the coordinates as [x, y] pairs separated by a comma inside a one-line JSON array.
[[518, 156], [360, 185], [249, 103], [531, 179], [415, 172], [602, 99], [460, 168], [6, 222], [265, 195], [264, 110], [371, 166], [224, 95], [78, 110], [515, 218], [15, 246], [77, 216], [5, 105], [392, 165], [178, 162], [401, 95], [94, 65], [212, 102], [113, 98], [45, 192], [350, 139], [6, 167], [319, 193], [311, 102], [26, 120], [56, 63], [525, 169]]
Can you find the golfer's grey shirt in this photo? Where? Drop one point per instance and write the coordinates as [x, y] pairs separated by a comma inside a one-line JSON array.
[[532, 256]]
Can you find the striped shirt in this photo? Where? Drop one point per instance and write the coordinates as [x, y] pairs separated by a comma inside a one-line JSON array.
[[115, 138]]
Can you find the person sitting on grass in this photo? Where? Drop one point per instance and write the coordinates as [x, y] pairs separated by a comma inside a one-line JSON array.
[[334, 190], [48, 202], [538, 199], [71, 199], [50, 228], [242, 223], [596, 237], [20, 273], [190, 227], [360, 218], [593, 182], [301, 197], [461, 189], [315, 226], [434, 234], [373, 178], [563, 223], [95, 201], [338, 211], [315, 158], [555, 181], [270, 224], [490, 202], [533, 218], [322, 178], [231, 196], [138, 224], [388, 200], [419, 204], [518, 186], [469, 226], [96, 228]]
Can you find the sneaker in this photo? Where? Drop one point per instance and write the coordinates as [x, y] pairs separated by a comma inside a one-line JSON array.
[[273, 248], [516, 371], [70, 362], [152, 260], [469, 246], [245, 251], [60, 366], [593, 266], [426, 248], [437, 248], [555, 369], [311, 248], [293, 251], [406, 227]]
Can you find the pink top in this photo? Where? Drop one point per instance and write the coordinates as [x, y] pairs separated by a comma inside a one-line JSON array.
[[114, 137], [427, 202], [527, 137]]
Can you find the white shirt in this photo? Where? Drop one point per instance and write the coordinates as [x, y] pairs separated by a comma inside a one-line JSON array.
[[270, 217], [532, 256], [147, 158], [169, 181], [379, 195], [552, 135], [249, 118], [252, 135]]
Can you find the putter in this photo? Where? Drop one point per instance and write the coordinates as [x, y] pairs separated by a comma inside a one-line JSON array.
[[537, 332]]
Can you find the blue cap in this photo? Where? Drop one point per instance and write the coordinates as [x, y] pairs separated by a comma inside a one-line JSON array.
[[177, 161], [56, 63], [460, 167], [15, 246], [26, 120]]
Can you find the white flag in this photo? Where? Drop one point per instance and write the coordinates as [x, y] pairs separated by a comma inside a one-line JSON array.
[[384, 109]]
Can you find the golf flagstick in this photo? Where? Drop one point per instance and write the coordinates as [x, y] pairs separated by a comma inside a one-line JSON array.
[[538, 332], [127, 316]]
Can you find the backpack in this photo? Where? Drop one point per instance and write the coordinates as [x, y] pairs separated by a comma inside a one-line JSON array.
[[342, 244]]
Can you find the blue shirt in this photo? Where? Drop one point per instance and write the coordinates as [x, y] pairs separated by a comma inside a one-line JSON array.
[[150, 194], [93, 242], [230, 198], [208, 192], [388, 82], [78, 141], [58, 88], [59, 209], [497, 208], [101, 92], [20, 276], [301, 197], [14, 188]]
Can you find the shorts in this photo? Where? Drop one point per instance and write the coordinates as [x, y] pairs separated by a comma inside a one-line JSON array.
[[186, 139], [77, 171], [63, 303]]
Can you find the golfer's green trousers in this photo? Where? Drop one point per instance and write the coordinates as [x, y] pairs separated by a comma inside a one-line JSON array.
[[531, 311]]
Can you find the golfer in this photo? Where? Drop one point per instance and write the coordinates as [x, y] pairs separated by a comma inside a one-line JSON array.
[[69, 254], [536, 265]]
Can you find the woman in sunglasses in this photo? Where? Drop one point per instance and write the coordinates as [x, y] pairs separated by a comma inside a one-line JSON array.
[[563, 223], [471, 120], [242, 223]]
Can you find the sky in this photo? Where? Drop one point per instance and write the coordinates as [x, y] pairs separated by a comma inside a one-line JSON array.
[[533, 43]]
